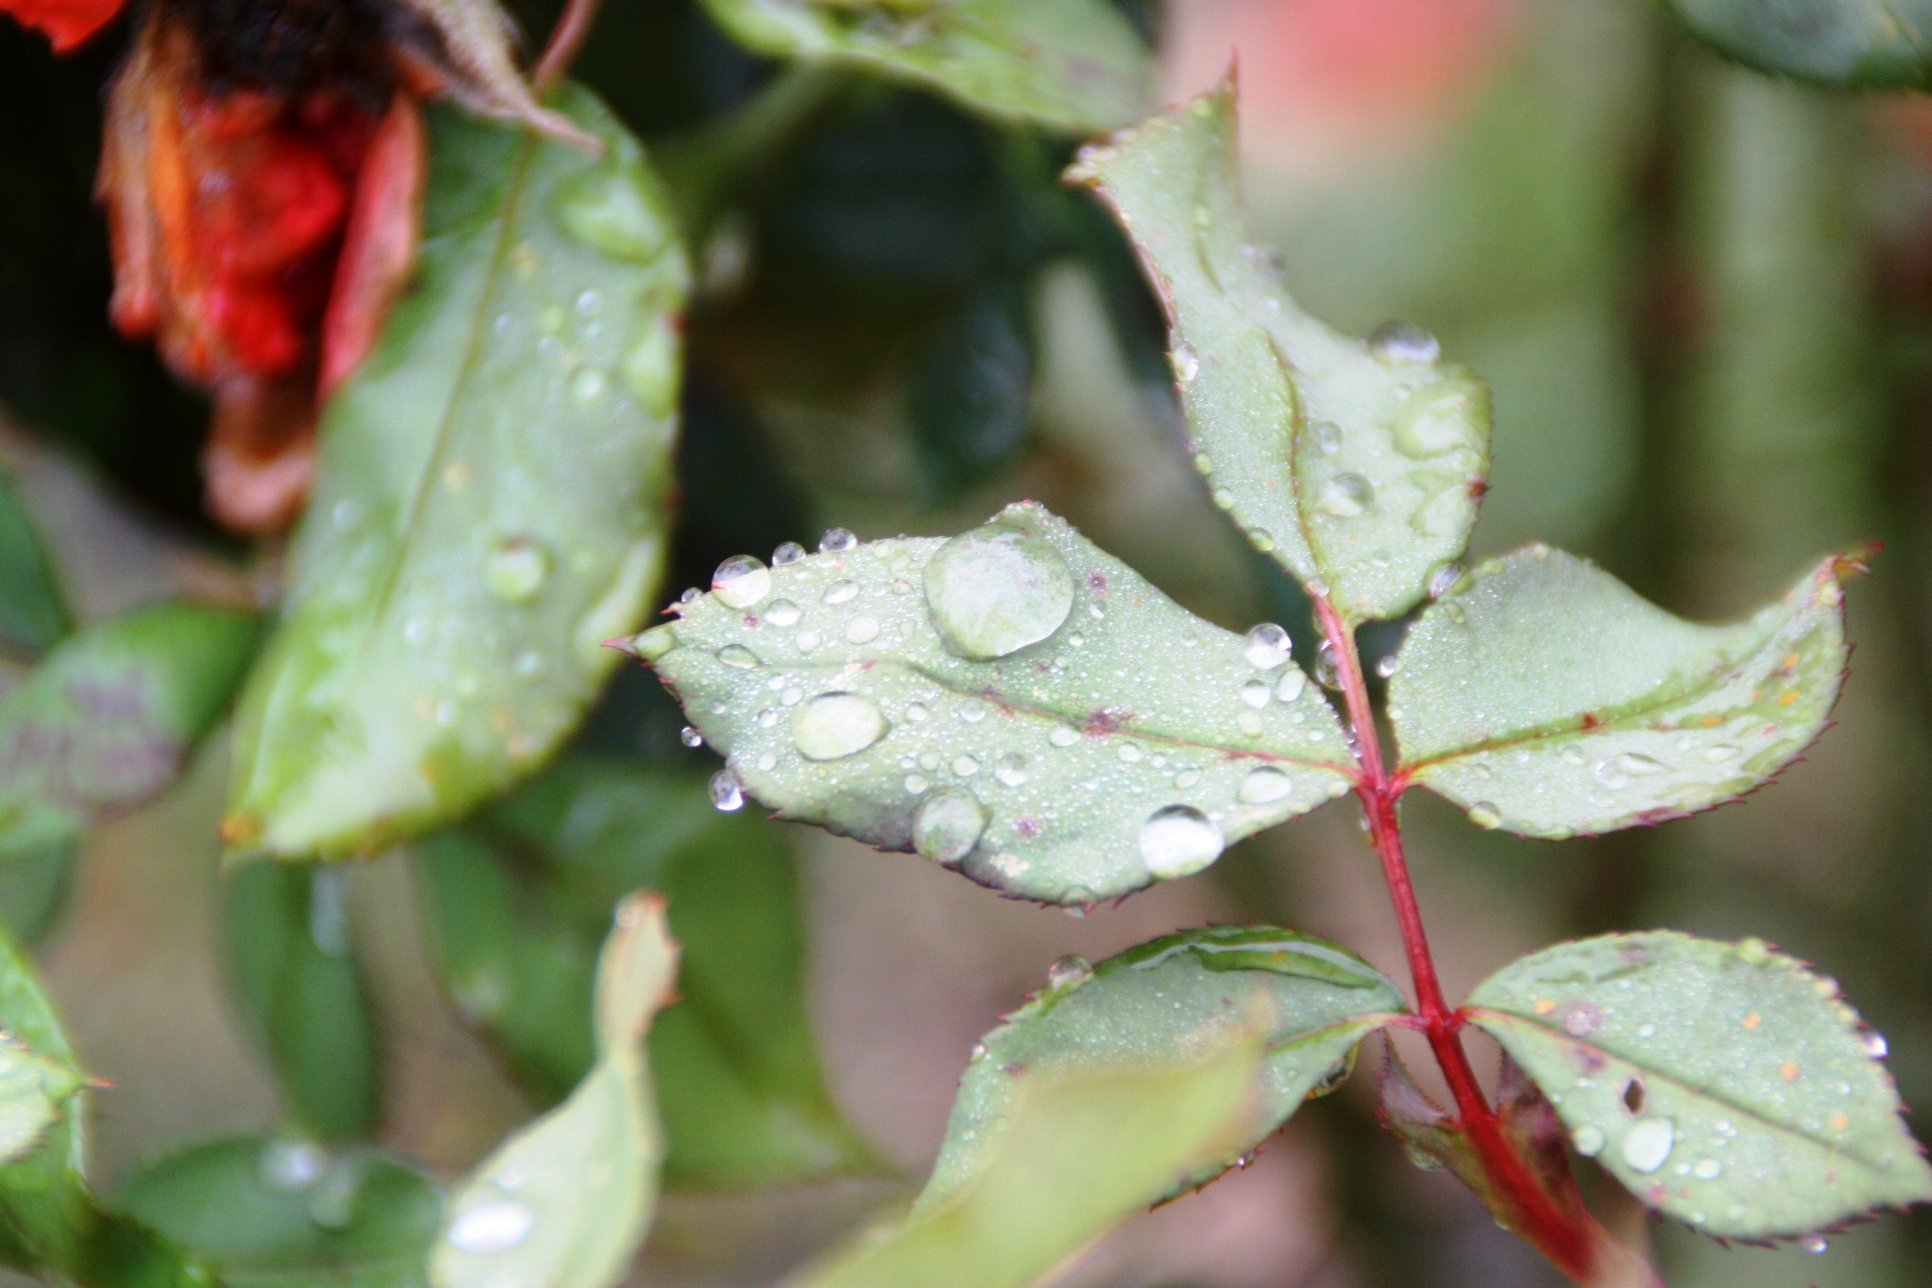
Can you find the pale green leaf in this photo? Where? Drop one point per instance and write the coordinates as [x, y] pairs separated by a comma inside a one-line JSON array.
[[1358, 465], [489, 503], [106, 720], [1185, 994], [33, 1090], [1884, 44], [565, 1202], [1075, 66], [1547, 698], [1013, 703], [33, 613], [282, 1212], [1086, 1151], [1722, 1084]]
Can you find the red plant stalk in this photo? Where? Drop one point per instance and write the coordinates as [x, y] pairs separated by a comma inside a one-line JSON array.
[[1573, 1243]]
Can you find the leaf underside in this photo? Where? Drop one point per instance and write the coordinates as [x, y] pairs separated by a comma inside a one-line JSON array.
[[1722, 1084], [1877, 44], [1547, 698], [1013, 703], [1356, 465]]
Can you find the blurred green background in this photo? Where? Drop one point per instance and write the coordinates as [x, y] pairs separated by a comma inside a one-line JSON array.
[[1703, 297]]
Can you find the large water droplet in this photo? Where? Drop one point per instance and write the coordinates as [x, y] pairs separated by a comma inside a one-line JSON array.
[[1178, 839], [292, 1164], [862, 629], [1814, 1244], [1265, 786], [1010, 769], [997, 589], [736, 655], [789, 553], [690, 737], [726, 793], [1345, 496], [1646, 1144], [1875, 1045], [1256, 693], [1403, 342], [1070, 971], [1291, 685], [1268, 646], [492, 1227], [741, 581], [836, 541], [948, 825], [1707, 1169], [835, 725], [516, 569], [1328, 671]]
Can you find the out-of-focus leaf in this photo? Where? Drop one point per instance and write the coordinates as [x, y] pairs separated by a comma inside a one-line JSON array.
[[287, 941], [282, 1212], [1879, 44], [1547, 698], [1012, 703], [1076, 66], [34, 888], [489, 505], [519, 899], [33, 614], [970, 394], [1186, 994], [1723, 1084], [1358, 465], [565, 1202], [106, 719], [1086, 1151], [33, 1090]]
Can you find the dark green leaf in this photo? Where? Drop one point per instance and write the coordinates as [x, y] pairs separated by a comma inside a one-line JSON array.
[[1546, 698], [1071, 65], [106, 720], [970, 393], [289, 958], [565, 1202], [282, 1212], [1358, 465], [1012, 702], [1723, 1084], [33, 889], [520, 899], [1883, 44], [33, 614], [489, 505]]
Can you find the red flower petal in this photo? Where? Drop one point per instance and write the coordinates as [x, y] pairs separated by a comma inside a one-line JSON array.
[[66, 23]]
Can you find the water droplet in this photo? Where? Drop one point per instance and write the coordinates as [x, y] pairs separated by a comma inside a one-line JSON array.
[[1177, 840], [1647, 1144], [1070, 971], [1388, 666], [1403, 342], [516, 569], [1444, 580], [835, 725], [1814, 1244], [726, 793], [1718, 753], [605, 209], [1588, 1141], [997, 589], [588, 387], [1707, 1169], [1328, 437], [1293, 682], [837, 541], [1875, 1046], [862, 629], [1129, 753], [1010, 769], [492, 1227], [1345, 496], [782, 613], [965, 766], [916, 783], [1483, 814], [1583, 1019], [1327, 670], [1439, 419], [741, 581], [1063, 735], [841, 592], [735, 655], [1187, 363], [1268, 646], [808, 640], [1265, 786], [1256, 693], [292, 1164], [690, 737], [948, 825]]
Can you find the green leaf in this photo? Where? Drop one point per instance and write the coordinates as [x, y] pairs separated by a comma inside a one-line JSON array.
[[1013, 703], [1183, 994], [1358, 465], [33, 614], [1547, 698], [287, 941], [1086, 1151], [969, 399], [489, 503], [1722, 1084], [106, 720], [565, 1202], [1074, 66], [34, 888], [33, 1091], [282, 1212], [1879, 44], [519, 899]]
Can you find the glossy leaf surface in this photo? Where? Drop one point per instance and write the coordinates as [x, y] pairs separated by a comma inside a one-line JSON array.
[[1086, 1151], [272, 1212], [1722, 1084], [1872, 43], [288, 950], [33, 613], [1013, 703], [107, 719], [1075, 66], [1547, 698], [1358, 465], [489, 504], [1178, 995], [520, 898], [565, 1202]]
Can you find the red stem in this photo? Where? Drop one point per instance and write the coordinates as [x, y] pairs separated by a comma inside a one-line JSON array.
[[566, 39], [1570, 1244]]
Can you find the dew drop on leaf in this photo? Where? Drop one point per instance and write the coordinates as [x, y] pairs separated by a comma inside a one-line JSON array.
[[948, 825], [1187, 363], [1265, 786], [862, 629], [835, 725], [517, 568], [1268, 646], [491, 1227], [292, 1164], [995, 590], [690, 737], [736, 655], [1256, 693], [1437, 420], [1070, 971], [1444, 580], [1403, 342], [782, 613], [1291, 685], [1346, 495], [789, 553], [726, 794], [1327, 670], [1647, 1144], [741, 581], [1814, 1243], [837, 541], [1588, 1141], [1177, 840]]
